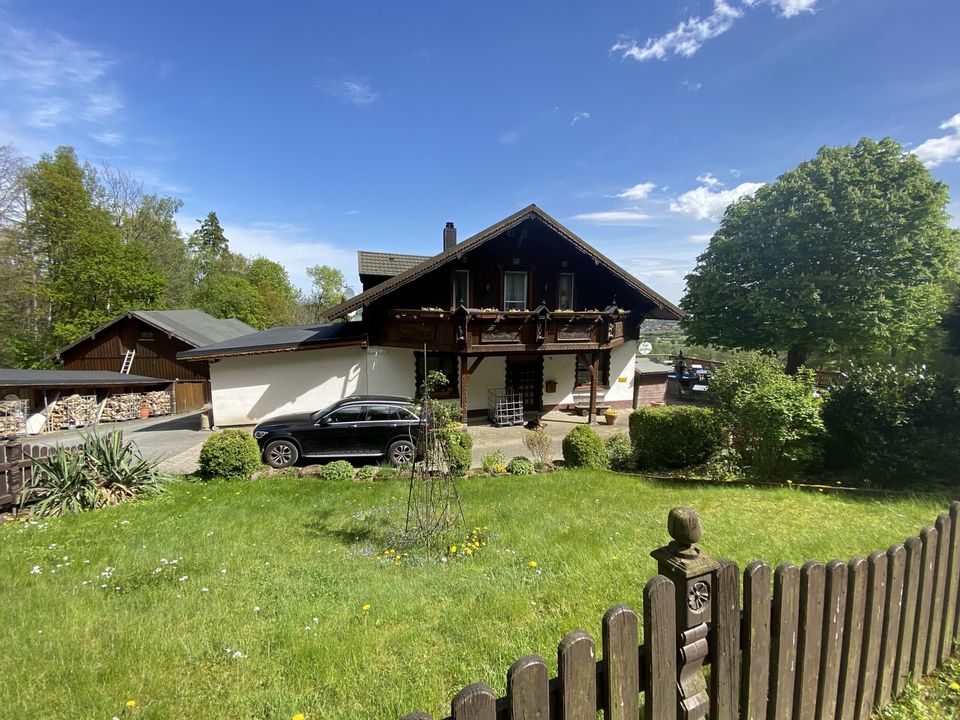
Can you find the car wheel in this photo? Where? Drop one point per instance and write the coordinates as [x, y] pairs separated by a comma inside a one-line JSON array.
[[401, 452], [281, 454]]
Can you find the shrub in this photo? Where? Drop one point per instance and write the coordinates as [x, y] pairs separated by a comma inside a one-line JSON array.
[[893, 426], [540, 445], [773, 418], [583, 447], [105, 472], [674, 436], [459, 448], [337, 470], [520, 466], [445, 414], [387, 472], [367, 472], [230, 454], [620, 452], [494, 463]]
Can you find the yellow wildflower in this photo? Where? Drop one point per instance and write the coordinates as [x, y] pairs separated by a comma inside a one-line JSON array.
[[366, 607], [469, 551], [131, 704], [299, 716], [533, 563], [954, 685], [453, 548]]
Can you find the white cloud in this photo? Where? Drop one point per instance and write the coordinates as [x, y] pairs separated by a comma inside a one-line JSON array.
[[510, 137], [700, 239], [352, 90], [46, 113], [637, 192], [579, 116], [709, 180], [686, 38], [294, 247], [614, 217], [102, 105], [705, 203], [946, 148], [690, 35], [691, 86], [736, 173], [109, 138]]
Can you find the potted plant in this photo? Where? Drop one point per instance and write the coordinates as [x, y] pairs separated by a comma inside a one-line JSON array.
[[611, 415]]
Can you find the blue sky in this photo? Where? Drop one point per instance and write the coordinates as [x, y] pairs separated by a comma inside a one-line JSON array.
[[316, 129]]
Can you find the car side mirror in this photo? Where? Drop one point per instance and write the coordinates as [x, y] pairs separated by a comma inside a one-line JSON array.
[[323, 421]]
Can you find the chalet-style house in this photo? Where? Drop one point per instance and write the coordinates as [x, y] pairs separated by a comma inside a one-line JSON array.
[[525, 305], [146, 342]]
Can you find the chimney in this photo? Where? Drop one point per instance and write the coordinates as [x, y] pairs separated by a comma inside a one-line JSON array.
[[449, 236]]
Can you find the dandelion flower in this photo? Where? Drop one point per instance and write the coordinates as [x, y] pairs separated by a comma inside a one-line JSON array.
[[453, 548], [955, 685], [299, 716], [533, 563], [366, 607], [131, 704]]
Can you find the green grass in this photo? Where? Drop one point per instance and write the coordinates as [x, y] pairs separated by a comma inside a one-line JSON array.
[[303, 552]]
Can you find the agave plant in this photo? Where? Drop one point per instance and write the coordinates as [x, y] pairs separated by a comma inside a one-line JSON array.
[[107, 470]]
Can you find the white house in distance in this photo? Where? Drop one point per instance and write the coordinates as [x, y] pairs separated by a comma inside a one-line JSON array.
[[524, 305]]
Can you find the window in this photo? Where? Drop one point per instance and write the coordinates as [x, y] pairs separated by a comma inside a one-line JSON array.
[[348, 414], [461, 288], [603, 369], [145, 335], [446, 363], [565, 291], [382, 412], [514, 290]]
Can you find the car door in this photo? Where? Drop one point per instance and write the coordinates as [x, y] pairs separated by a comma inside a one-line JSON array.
[[380, 425], [337, 433]]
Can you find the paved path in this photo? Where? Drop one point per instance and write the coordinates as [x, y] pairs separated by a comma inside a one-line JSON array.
[[174, 440]]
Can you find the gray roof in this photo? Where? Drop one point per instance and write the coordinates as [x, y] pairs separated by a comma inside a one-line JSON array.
[[12, 377], [662, 308], [650, 366], [193, 327], [278, 339], [386, 264]]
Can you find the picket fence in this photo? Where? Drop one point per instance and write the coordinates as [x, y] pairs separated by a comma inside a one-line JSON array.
[[834, 640]]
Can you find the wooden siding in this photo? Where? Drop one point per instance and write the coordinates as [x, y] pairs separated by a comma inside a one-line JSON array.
[[155, 358]]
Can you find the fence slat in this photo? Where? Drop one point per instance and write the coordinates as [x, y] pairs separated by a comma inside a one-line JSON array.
[[908, 613], [831, 646], [939, 589], [809, 639], [660, 639], [725, 643], [953, 585], [528, 689], [853, 621], [417, 716], [577, 670], [622, 663], [928, 565], [756, 641], [783, 650], [896, 559], [474, 702], [872, 634]]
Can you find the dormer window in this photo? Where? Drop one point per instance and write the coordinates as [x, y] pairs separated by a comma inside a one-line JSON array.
[[461, 288], [565, 291], [514, 290]]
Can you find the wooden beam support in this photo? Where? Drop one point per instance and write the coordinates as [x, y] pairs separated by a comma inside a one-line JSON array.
[[594, 362]]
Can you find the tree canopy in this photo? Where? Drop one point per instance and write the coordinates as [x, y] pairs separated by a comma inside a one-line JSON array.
[[847, 256]]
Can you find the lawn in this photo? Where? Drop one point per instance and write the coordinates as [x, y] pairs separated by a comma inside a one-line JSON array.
[[264, 599]]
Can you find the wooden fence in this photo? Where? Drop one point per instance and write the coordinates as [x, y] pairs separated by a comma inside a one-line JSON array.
[[822, 641], [16, 468]]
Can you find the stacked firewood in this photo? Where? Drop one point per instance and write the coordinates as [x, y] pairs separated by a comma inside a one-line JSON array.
[[123, 406], [13, 416], [158, 401], [72, 411]]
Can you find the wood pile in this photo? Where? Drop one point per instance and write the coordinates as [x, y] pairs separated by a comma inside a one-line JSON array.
[[13, 417], [159, 402], [123, 406], [72, 411]]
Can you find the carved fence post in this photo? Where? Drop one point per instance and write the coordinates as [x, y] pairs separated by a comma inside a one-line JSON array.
[[692, 574]]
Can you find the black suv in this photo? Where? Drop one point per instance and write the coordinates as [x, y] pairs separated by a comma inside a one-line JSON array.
[[362, 426]]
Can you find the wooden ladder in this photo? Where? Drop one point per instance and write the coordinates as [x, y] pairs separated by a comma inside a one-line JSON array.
[[127, 362]]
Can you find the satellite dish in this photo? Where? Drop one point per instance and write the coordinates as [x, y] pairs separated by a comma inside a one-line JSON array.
[[645, 348], [348, 292]]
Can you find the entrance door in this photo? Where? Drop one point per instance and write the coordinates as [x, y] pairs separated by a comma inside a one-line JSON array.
[[525, 376]]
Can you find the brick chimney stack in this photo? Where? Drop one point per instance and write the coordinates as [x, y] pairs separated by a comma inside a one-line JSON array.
[[449, 236]]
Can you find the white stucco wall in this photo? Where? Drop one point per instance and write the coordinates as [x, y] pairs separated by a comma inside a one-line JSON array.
[[491, 373], [390, 371], [250, 388], [622, 360], [562, 370]]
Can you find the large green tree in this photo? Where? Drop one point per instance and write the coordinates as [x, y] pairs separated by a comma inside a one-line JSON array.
[[279, 297], [847, 256], [327, 289], [208, 244]]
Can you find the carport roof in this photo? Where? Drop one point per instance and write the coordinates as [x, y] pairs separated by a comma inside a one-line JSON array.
[[14, 377], [283, 339]]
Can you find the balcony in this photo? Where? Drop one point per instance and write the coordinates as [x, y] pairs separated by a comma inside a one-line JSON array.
[[481, 331]]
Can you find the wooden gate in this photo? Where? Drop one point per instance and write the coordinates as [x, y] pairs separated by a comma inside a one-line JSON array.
[[190, 395]]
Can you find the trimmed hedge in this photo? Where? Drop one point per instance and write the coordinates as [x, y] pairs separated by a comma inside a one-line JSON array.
[[620, 452], [337, 470], [674, 436], [583, 447], [231, 454]]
